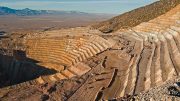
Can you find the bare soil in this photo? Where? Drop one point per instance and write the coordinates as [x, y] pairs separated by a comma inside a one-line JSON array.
[[12, 23]]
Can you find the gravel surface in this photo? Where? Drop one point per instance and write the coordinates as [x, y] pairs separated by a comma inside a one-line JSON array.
[[163, 92]]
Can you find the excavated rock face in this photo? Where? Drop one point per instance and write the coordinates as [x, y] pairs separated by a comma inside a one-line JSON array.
[[93, 67]]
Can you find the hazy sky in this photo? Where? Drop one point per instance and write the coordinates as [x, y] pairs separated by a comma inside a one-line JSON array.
[[89, 6]]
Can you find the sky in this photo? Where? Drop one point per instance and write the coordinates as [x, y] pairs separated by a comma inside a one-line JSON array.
[[88, 6]]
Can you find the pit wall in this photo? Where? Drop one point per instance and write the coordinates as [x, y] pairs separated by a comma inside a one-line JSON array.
[[20, 69]]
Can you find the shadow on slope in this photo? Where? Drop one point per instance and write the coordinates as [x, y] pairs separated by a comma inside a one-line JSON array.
[[18, 68]]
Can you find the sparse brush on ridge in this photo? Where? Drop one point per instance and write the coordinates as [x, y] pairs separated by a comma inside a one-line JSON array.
[[137, 16]]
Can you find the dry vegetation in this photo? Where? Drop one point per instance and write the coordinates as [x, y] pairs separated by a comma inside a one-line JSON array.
[[137, 16]]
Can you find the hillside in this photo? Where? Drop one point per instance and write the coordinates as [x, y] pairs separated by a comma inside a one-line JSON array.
[[137, 16]]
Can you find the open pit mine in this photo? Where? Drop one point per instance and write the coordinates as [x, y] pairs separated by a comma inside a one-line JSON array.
[[86, 64]]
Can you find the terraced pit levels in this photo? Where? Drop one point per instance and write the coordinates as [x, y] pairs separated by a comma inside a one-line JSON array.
[[95, 66]]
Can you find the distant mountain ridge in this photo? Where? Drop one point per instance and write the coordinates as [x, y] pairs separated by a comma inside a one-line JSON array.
[[30, 12]]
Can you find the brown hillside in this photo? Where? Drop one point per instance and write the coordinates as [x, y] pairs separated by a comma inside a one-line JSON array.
[[137, 16]]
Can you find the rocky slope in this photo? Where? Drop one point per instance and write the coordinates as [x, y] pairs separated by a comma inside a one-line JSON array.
[[137, 16]]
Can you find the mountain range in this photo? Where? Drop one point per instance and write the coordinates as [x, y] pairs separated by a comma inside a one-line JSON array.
[[30, 12]]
